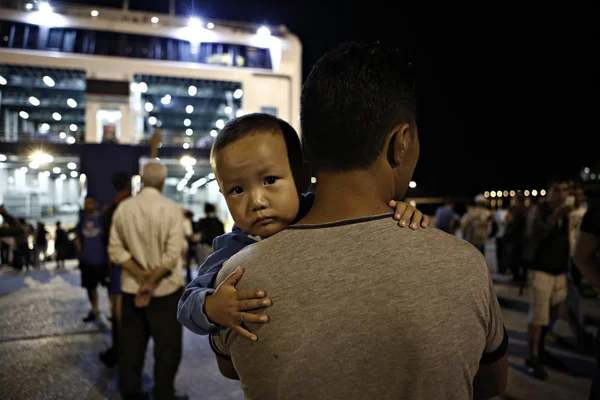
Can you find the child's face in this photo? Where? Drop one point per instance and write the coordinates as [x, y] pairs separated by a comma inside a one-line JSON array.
[[255, 177]]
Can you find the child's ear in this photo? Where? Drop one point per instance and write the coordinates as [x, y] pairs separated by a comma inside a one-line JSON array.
[[303, 177]]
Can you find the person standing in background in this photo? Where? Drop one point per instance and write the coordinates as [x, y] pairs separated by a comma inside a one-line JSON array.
[[446, 219], [61, 245], [209, 228]]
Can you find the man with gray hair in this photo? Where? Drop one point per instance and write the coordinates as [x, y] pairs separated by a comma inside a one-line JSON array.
[[146, 239]]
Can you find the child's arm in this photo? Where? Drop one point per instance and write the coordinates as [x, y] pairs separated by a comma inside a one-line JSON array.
[[225, 303], [406, 214]]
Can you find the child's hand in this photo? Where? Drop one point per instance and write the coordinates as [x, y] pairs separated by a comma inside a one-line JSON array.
[[226, 305], [406, 214]]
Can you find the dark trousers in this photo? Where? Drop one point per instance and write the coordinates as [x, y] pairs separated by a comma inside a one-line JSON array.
[[158, 320]]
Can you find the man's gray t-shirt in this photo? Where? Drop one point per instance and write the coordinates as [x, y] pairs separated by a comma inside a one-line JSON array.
[[365, 310]]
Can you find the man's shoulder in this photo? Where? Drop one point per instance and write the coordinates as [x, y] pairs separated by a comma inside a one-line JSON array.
[[240, 259]]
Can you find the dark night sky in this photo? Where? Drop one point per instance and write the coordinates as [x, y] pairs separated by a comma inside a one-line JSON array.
[[507, 97]]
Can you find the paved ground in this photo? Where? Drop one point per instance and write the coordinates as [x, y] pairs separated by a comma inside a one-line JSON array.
[[47, 352]]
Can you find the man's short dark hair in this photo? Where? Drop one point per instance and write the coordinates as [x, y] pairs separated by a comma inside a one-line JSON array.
[[209, 208], [354, 96], [252, 124], [120, 181]]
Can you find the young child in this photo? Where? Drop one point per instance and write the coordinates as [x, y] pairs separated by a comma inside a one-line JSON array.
[[258, 163]]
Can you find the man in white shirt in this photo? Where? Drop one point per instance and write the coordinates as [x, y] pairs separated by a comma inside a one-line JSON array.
[[146, 239]]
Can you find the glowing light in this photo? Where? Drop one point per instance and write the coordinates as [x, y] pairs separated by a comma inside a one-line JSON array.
[[187, 161], [71, 103], [152, 120], [34, 101], [486, 194], [189, 109], [189, 132], [505, 193], [3, 80], [195, 23], [148, 107], [94, 13], [313, 180], [586, 170], [29, 6], [34, 165], [63, 177], [70, 140], [239, 113], [154, 20], [45, 7], [512, 193], [187, 122], [2, 158], [263, 31], [166, 99], [220, 123], [412, 184], [542, 192], [48, 81], [492, 194], [56, 116], [74, 174], [44, 128], [24, 169], [142, 87], [24, 115], [214, 133], [526, 193], [72, 166], [186, 145], [39, 157], [62, 135], [56, 170], [228, 110], [73, 127], [238, 94], [210, 25], [192, 90], [534, 192]]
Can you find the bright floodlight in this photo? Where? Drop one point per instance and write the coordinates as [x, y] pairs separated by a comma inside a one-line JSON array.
[[62, 135], [45, 7], [152, 120], [187, 122], [313, 180], [24, 169], [188, 161], [2, 158], [72, 165], [56, 116], [34, 165], [412, 184], [211, 176], [239, 113], [44, 128], [526, 193], [34, 101], [28, 6], [56, 170], [263, 31], [228, 110], [148, 106], [186, 145], [542, 192], [48, 81], [39, 157], [166, 99], [534, 193], [210, 25], [214, 133], [71, 140], [143, 87], [3, 80], [154, 20], [74, 174], [189, 132], [238, 94], [73, 127], [63, 177], [71, 103], [23, 114], [189, 109], [94, 13], [192, 90], [220, 123], [195, 22]]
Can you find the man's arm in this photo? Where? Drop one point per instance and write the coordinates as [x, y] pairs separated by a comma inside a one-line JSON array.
[[175, 242], [117, 251], [491, 378]]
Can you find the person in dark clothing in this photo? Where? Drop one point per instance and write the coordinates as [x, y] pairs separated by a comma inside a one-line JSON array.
[[122, 184], [41, 244], [61, 245], [513, 239], [547, 256], [209, 228]]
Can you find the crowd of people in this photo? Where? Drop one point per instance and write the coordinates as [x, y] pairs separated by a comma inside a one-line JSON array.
[[324, 295]]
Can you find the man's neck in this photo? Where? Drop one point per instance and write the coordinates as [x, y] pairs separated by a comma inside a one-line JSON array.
[[348, 195]]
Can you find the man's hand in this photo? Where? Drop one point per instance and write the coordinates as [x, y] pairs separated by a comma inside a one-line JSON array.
[[226, 305], [406, 214], [147, 287]]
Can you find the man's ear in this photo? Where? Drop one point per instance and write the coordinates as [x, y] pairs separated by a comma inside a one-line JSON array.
[[302, 177], [397, 144]]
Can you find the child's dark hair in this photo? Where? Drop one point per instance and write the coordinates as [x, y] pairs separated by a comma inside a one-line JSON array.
[[252, 124]]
